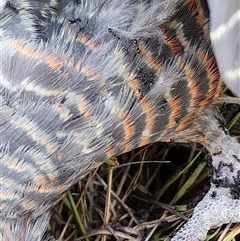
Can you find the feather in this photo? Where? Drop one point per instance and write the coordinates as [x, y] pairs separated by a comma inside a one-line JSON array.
[[225, 36], [83, 81]]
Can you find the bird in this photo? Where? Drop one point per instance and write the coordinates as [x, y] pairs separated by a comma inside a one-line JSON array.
[[83, 81]]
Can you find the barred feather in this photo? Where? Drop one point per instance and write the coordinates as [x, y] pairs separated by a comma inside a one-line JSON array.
[[82, 81]]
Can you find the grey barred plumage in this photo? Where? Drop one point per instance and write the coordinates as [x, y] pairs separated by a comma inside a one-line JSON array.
[[82, 81]]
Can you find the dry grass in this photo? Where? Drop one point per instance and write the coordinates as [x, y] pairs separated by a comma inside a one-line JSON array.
[[146, 194]]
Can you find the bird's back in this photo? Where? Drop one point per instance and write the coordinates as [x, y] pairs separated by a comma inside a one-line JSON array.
[[83, 81]]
